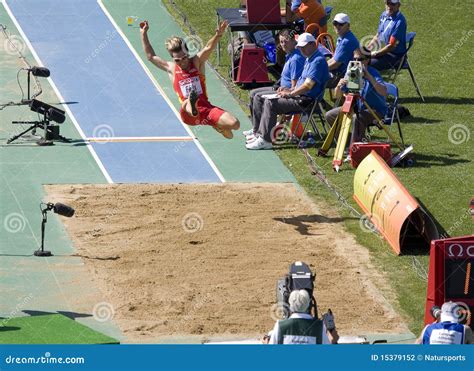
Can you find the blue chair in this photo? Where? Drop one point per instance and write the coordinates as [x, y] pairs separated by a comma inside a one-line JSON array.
[[392, 111], [405, 65]]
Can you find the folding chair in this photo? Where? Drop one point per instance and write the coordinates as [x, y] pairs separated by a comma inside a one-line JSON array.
[[405, 65], [301, 121], [392, 111]]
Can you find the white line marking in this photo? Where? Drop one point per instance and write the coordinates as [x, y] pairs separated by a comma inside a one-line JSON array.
[[58, 94], [158, 87], [140, 139]]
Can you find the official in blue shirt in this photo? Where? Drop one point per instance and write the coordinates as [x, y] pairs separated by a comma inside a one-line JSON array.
[[373, 92], [448, 330], [392, 33], [310, 87], [346, 44], [294, 62]]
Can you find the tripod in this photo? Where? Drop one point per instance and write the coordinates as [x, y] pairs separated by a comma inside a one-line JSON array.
[[51, 132], [342, 126]]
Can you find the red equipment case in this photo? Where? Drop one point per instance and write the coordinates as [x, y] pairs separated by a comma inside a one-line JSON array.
[[252, 66], [359, 150], [263, 11]]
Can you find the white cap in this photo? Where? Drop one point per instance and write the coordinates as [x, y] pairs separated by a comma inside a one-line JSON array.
[[341, 18], [450, 312], [394, 1], [304, 39]]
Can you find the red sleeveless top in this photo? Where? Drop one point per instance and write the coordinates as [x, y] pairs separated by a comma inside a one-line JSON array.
[[185, 81]]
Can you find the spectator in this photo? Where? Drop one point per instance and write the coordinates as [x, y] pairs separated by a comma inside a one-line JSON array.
[[346, 44], [292, 69], [310, 87], [301, 327], [312, 12], [373, 92], [392, 32], [188, 76], [448, 330]]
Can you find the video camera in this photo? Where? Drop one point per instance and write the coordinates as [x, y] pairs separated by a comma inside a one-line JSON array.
[[354, 76], [299, 277]]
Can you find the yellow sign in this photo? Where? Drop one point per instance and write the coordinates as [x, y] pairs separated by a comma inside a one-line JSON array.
[[390, 207]]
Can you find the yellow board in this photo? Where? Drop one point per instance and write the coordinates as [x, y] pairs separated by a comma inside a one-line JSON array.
[[383, 198]]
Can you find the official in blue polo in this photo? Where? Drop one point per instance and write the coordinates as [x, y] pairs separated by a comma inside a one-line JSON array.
[[310, 87], [346, 44], [294, 62], [448, 330], [392, 33]]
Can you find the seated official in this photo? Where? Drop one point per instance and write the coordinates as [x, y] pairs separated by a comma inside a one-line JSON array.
[[292, 69], [392, 33], [301, 327], [310, 87], [373, 92], [346, 44], [311, 11], [448, 330]]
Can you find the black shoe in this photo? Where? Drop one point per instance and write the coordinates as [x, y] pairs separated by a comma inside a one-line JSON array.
[[193, 97]]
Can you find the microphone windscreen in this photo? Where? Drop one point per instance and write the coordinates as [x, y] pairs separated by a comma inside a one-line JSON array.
[[63, 210], [40, 71]]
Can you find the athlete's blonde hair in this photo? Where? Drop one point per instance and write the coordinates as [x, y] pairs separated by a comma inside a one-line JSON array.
[[176, 44]]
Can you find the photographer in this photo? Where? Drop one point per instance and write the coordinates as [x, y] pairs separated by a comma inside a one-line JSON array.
[[373, 92], [301, 327], [447, 329]]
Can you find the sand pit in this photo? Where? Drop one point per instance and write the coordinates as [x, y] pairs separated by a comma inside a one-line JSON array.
[[187, 260]]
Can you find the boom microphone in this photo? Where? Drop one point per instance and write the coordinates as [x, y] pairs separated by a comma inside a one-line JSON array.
[[39, 71], [63, 210]]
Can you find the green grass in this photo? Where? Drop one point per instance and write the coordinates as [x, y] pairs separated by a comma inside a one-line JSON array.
[[49, 329], [443, 175]]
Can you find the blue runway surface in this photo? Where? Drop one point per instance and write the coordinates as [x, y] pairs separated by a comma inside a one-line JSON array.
[[90, 63], [171, 161]]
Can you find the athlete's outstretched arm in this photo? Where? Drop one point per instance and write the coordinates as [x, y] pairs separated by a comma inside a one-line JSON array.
[[205, 53], [150, 53]]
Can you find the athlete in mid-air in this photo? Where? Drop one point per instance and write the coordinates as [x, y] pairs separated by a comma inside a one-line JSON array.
[[189, 81]]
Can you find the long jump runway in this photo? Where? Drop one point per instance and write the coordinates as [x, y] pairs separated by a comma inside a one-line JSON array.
[[135, 133]]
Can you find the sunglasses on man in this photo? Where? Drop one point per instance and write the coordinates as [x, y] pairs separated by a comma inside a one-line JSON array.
[[181, 59], [337, 24]]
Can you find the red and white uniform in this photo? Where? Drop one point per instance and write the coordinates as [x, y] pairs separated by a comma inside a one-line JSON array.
[[184, 82]]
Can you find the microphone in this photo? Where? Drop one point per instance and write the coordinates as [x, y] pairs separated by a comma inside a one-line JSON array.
[[39, 71], [63, 210]]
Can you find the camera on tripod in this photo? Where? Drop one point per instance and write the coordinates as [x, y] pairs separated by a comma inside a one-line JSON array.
[[299, 277], [354, 76], [50, 114]]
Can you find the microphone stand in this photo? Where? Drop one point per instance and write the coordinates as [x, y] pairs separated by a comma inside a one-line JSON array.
[[41, 251]]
